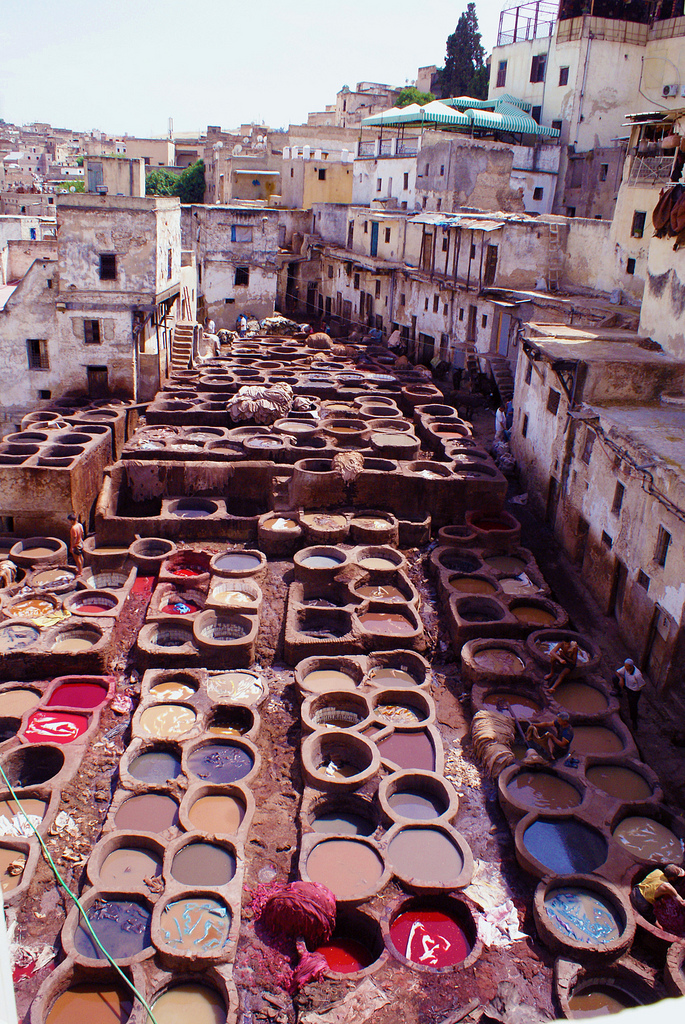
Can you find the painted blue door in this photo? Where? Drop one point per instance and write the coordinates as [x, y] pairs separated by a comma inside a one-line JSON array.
[[374, 237]]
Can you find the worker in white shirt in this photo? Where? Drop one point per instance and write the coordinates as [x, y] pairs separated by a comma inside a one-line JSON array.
[[501, 432], [632, 681]]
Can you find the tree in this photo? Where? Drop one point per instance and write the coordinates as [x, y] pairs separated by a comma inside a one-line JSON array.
[[465, 73], [191, 184], [410, 94], [161, 183]]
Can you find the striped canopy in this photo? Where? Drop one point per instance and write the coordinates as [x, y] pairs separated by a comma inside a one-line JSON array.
[[413, 114], [505, 114]]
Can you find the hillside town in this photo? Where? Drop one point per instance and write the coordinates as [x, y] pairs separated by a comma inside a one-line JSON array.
[[342, 530]]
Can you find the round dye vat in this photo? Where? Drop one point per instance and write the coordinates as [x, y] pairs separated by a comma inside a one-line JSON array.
[[180, 606], [421, 806], [409, 750], [198, 1003], [430, 937], [425, 854], [52, 577], [127, 868], [647, 839], [232, 598], [547, 646], [505, 563], [345, 955], [166, 721], [187, 569], [452, 559], [387, 623], [579, 698], [595, 739], [74, 644], [156, 766], [532, 615], [217, 813], [384, 593], [378, 563], [55, 727], [92, 1004], [203, 864], [322, 561], [566, 847], [328, 679], [543, 791], [32, 608], [583, 915], [78, 695], [12, 864], [172, 689], [15, 637], [88, 605], [399, 714], [462, 585], [220, 762], [321, 521], [520, 586], [619, 782], [385, 676], [190, 513], [280, 523], [38, 552], [196, 925], [244, 686], [509, 702], [344, 823], [149, 812], [122, 926], [600, 1000], [13, 703], [9, 810], [345, 866], [499, 660], [237, 561]]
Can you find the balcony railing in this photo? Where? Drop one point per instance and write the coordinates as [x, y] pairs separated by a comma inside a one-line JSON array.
[[650, 170]]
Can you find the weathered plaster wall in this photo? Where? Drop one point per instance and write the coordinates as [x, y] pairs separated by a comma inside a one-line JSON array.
[[662, 316]]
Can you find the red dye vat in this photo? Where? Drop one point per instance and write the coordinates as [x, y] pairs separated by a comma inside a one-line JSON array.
[[344, 956], [55, 727], [430, 938], [180, 607], [94, 609], [78, 695], [188, 570]]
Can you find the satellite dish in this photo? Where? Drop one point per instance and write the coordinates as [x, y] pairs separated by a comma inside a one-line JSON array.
[[246, 140], [237, 149]]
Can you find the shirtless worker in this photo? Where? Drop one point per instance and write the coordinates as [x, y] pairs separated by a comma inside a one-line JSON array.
[[563, 658], [76, 538]]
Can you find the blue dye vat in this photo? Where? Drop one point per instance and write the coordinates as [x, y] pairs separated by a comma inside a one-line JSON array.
[[566, 847], [582, 915]]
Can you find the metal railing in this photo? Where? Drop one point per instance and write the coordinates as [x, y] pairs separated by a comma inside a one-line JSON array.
[[650, 170]]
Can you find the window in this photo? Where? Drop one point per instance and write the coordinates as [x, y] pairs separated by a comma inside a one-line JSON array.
[[461, 314], [292, 173], [587, 449], [406, 182], [662, 542], [436, 303], [356, 281], [425, 306], [484, 320], [37, 350], [603, 172], [49, 282], [33, 234], [242, 275], [108, 266], [538, 193], [350, 235], [445, 309], [557, 125], [529, 372], [537, 67], [501, 75], [445, 243], [379, 184], [366, 227], [630, 265], [91, 332], [439, 205], [607, 541], [524, 428], [330, 270], [643, 580], [51, 200], [472, 254], [387, 234], [403, 299], [553, 401], [442, 170], [637, 229], [229, 302], [378, 289], [44, 395], [570, 211], [618, 499], [536, 114], [563, 76], [322, 173], [426, 169], [169, 263], [423, 203], [241, 233]]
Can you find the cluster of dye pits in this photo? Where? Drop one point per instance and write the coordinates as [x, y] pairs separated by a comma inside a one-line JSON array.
[[291, 717]]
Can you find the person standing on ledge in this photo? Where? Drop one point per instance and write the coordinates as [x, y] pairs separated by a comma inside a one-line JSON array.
[[76, 538], [632, 681]]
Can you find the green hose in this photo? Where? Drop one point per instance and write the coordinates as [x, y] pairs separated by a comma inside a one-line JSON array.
[[84, 917]]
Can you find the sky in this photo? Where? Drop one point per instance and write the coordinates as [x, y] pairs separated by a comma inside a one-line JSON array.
[[129, 65]]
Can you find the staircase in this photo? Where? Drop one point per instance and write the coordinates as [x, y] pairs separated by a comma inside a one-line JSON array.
[[182, 345], [555, 257], [501, 371]]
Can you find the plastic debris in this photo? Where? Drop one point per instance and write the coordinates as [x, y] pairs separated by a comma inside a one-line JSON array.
[[64, 825], [122, 704]]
